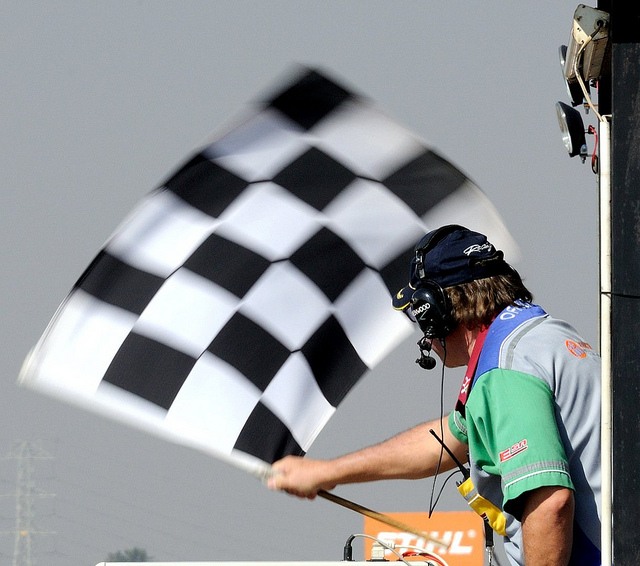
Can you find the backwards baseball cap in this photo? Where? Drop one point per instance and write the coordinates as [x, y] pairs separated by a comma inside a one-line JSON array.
[[451, 255]]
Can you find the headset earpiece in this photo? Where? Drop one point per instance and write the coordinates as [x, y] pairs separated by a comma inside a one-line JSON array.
[[431, 307]]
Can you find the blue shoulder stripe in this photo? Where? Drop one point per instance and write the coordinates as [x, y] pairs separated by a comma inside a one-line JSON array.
[[503, 326]]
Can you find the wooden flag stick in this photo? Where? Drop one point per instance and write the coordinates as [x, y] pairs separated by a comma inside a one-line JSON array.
[[380, 517]]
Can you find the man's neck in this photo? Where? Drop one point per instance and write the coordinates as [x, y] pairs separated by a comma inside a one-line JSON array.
[[470, 337]]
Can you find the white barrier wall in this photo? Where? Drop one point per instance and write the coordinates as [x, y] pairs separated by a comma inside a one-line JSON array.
[[334, 563]]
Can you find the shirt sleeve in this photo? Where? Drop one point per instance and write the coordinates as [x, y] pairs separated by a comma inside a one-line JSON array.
[[512, 432], [458, 426]]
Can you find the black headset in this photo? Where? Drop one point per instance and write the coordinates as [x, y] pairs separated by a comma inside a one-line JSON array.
[[430, 303], [431, 307]]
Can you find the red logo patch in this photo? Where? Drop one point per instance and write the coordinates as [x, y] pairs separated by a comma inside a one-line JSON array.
[[577, 349], [515, 449]]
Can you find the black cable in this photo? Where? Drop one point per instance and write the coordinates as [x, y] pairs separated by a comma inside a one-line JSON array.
[[442, 486], [347, 551], [435, 475]]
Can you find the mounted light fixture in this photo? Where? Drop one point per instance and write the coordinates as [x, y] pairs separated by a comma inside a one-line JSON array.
[[572, 129], [587, 55], [585, 59], [574, 90]]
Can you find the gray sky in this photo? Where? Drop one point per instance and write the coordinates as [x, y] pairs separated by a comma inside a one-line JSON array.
[[100, 100]]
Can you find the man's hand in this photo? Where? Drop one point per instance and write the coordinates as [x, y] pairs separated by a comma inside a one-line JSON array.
[[301, 477], [547, 526]]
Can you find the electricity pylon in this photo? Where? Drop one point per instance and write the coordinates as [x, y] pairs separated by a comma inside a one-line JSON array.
[[25, 453]]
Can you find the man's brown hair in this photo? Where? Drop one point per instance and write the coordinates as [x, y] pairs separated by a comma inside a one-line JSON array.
[[477, 303]]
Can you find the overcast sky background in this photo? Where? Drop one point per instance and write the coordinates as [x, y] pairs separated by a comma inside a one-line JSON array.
[[100, 100]]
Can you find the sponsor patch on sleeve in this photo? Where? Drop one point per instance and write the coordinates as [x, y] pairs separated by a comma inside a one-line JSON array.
[[578, 349], [514, 450]]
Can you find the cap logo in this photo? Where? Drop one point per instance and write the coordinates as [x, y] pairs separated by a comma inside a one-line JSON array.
[[477, 248]]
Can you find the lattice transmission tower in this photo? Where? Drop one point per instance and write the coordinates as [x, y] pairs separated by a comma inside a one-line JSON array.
[[26, 493]]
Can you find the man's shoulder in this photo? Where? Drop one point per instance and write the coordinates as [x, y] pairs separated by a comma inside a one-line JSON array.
[[530, 341], [507, 329]]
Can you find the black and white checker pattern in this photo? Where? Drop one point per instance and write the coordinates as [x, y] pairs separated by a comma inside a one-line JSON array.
[[242, 300]]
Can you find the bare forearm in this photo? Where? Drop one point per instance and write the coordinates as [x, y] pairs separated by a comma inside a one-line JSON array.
[[409, 455]]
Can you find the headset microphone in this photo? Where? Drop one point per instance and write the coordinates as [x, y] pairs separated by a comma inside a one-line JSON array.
[[425, 361], [431, 309]]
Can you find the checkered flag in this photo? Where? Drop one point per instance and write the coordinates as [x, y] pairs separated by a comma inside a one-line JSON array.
[[241, 301]]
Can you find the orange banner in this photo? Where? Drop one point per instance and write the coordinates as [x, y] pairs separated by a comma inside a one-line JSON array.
[[462, 530]]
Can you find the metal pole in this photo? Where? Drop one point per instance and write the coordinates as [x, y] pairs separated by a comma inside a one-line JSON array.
[[605, 339]]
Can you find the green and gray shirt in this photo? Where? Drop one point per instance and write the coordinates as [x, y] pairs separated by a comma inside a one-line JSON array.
[[532, 419]]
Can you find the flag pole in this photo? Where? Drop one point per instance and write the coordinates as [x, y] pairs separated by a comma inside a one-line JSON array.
[[380, 517]]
